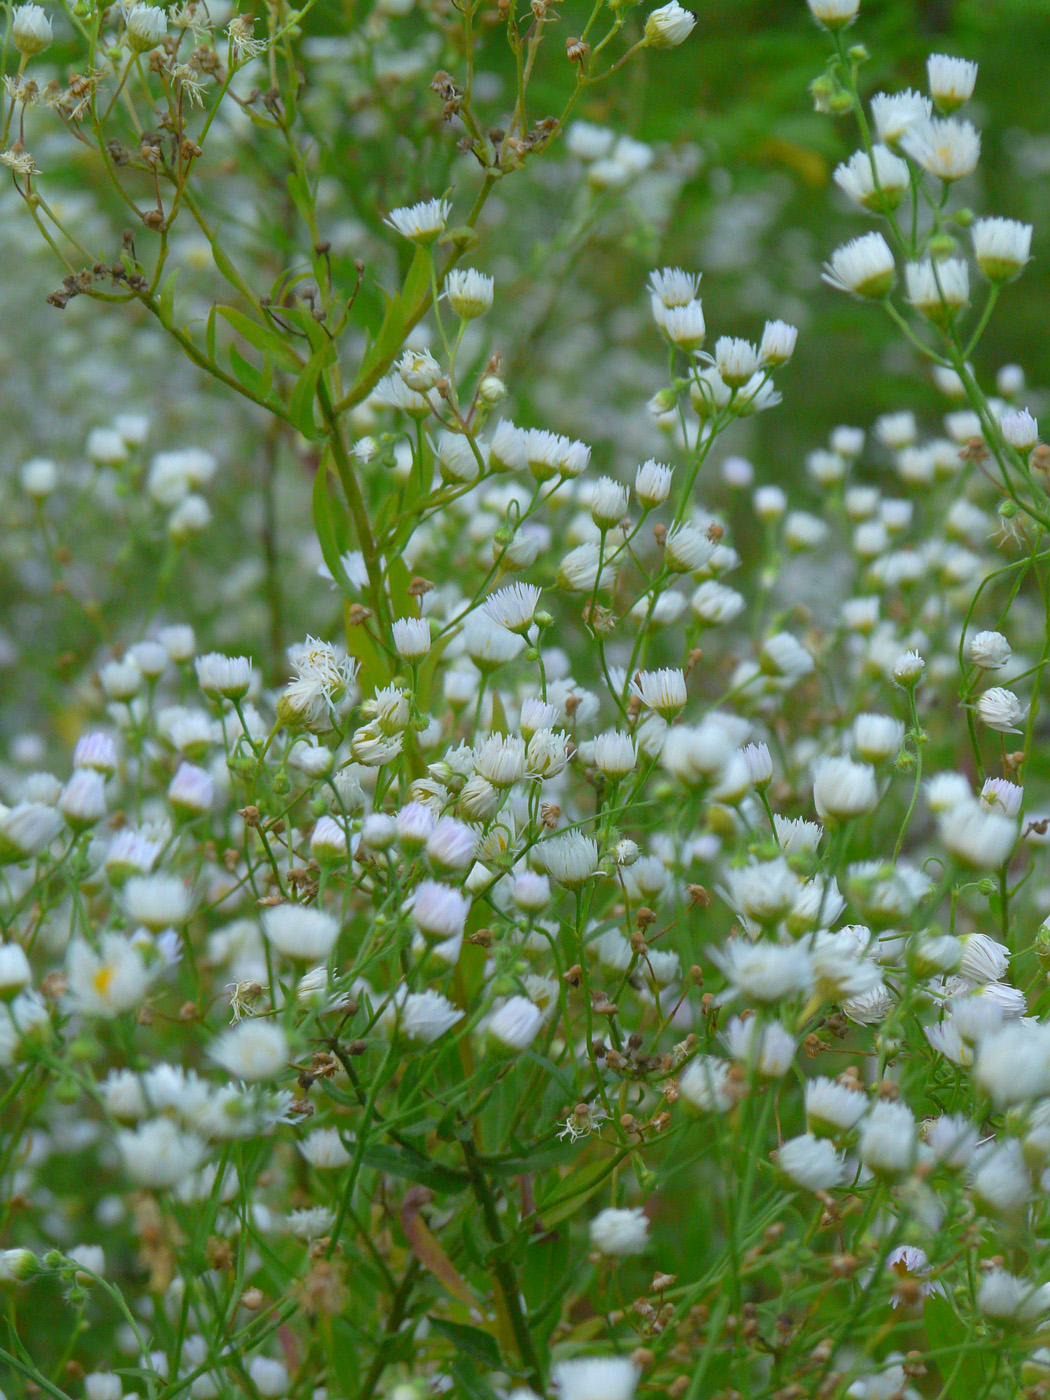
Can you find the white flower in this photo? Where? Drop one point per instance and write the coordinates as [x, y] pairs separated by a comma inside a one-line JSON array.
[[684, 326], [252, 1050], [736, 360], [652, 482], [423, 1016], [30, 30], [439, 911], [704, 1084], [784, 657], [608, 503], [887, 1144], [324, 1149], [422, 223], [157, 901], [831, 1107], [158, 1154], [323, 687], [469, 292], [844, 789], [570, 857], [834, 14], [596, 1378], [686, 549], [713, 603], [83, 799], [663, 691], [977, 836], [811, 1163], [893, 113], [1007, 1298], [908, 669], [515, 1024], [108, 982], [451, 844], [269, 1377], [951, 80], [778, 342], [614, 753], [990, 650], [765, 1047], [668, 26], [765, 972], [146, 26], [620, 1232], [943, 147], [1002, 796], [300, 932], [797, 836], [940, 290], [763, 891], [513, 607], [864, 266], [1013, 1064], [227, 677], [578, 571], [1001, 1182], [671, 286], [877, 738], [1001, 246], [877, 182], [952, 1140]]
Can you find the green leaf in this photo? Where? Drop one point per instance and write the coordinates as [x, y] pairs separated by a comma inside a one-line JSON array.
[[404, 308], [570, 1194], [375, 668], [313, 330], [413, 1166], [545, 1261], [301, 403], [469, 1384], [948, 1333], [209, 334], [166, 301], [254, 380], [399, 578], [331, 530], [470, 1341], [265, 340]]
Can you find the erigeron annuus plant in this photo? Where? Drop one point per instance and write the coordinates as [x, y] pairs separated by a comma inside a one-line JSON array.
[[577, 975]]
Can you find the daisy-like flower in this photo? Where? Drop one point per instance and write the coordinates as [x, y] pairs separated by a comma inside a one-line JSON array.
[[940, 290], [877, 182], [513, 607], [952, 80], [1000, 709], [323, 686], [668, 26], [663, 691], [864, 267], [834, 14], [423, 223], [469, 292], [411, 637], [895, 113], [671, 286], [811, 1163], [108, 982], [422, 1016], [1001, 247], [943, 147], [30, 30]]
